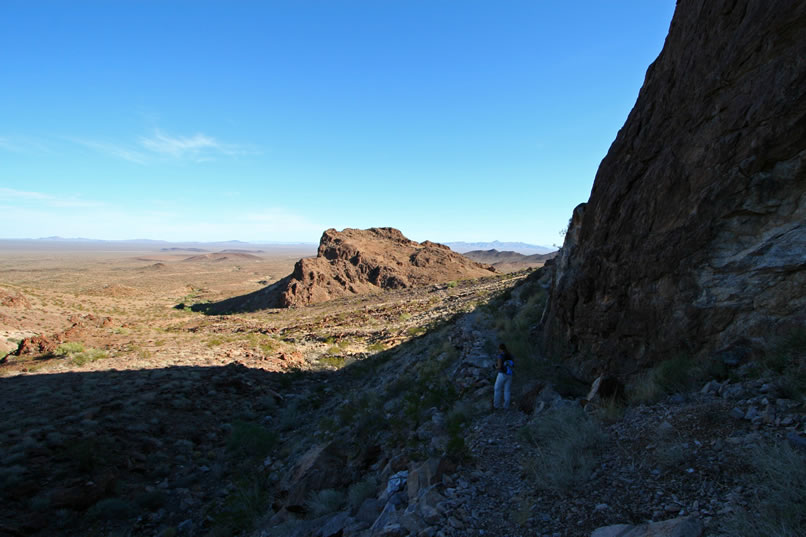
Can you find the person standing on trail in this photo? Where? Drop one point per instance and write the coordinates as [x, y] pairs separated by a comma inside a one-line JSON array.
[[505, 365]]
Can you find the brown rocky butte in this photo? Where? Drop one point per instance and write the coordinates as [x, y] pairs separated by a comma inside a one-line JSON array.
[[694, 237], [358, 261], [355, 261]]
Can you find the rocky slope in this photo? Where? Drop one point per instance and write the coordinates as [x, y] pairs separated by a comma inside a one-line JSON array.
[[355, 261], [694, 237]]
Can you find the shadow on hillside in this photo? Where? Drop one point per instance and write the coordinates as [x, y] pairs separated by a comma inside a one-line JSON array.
[[86, 448], [262, 299]]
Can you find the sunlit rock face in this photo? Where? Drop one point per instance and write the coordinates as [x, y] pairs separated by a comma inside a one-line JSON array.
[[694, 236], [357, 261]]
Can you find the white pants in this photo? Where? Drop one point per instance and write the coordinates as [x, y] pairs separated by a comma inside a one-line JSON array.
[[503, 386]]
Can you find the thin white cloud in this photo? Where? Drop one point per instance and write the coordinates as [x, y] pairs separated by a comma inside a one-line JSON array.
[[115, 150], [22, 144], [160, 146], [197, 147], [47, 199]]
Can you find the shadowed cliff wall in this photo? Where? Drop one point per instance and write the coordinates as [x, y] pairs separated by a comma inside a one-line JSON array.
[[694, 236]]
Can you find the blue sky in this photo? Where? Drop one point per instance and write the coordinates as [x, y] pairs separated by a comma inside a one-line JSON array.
[[457, 120]]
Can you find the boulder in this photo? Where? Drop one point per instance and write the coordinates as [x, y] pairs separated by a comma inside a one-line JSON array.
[[676, 527]]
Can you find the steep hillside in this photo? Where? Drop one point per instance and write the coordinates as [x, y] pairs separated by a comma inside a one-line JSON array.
[[694, 237]]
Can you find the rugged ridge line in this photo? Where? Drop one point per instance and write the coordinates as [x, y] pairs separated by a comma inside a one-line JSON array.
[[694, 236]]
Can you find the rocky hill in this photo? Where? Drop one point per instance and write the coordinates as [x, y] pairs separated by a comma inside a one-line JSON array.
[[355, 261], [509, 261], [694, 237]]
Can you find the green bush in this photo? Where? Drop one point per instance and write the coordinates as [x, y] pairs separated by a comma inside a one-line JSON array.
[[69, 348], [90, 355], [244, 506], [670, 376], [360, 491], [325, 501], [251, 440], [567, 446]]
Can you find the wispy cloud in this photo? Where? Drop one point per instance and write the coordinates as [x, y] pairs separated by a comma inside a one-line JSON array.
[[46, 199], [160, 146], [196, 147], [23, 144], [114, 150]]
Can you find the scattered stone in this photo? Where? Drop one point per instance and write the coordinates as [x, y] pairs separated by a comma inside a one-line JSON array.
[[676, 527]]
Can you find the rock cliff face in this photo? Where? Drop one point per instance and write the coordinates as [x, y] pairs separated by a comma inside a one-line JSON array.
[[356, 261], [694, 236]]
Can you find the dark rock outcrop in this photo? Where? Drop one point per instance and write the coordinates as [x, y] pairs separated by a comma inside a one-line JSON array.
[[695, 231]]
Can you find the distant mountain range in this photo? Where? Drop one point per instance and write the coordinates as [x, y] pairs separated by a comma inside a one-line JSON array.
[[519, 247], [199, 246], [509, 261], [81, 243]]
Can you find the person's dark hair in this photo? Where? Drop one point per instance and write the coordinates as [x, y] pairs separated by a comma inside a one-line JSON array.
[[503, 348]]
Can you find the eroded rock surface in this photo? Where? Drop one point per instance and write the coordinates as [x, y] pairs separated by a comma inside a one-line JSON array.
[[356, 261], [695, 232]]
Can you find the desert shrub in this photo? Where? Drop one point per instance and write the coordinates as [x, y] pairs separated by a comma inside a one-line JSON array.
[[567, 444], [644, 389], [670, 376], [378, 346], [336, 362], [88, 454], [415, 331], [455, 423], [360, 491], [215, 341], [780, 490], [788, 358], [674, 375], [151, 501], [69, 348], [452, 284], [610, 409], [324, 502], [244, 506], [89, 355], [250, 440]]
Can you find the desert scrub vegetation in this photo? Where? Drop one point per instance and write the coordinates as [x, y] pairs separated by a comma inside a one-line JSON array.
[[788, 358], [68, 348], [780, 495], [243, 507], [324, 502], [670, 376], [78, 354], [566, 447]]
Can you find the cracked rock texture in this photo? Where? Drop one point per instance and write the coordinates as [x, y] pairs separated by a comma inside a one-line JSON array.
[[694, 236]]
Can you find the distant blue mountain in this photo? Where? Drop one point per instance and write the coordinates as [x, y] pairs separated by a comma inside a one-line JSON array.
[[520, 247]]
